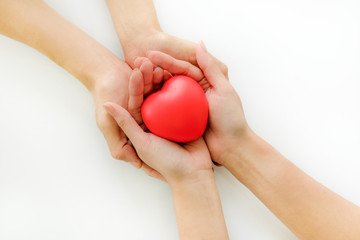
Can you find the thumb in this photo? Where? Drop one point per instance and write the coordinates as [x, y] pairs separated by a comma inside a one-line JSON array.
[[127, 123], [209, 67]]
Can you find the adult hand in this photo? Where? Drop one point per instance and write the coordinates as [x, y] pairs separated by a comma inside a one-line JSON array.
[[163, 159], [187, 167], [114, 87], [227, 126], [173, 46], [95, 66]]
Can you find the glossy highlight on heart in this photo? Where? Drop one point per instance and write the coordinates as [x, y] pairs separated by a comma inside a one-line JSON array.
[[178, 112]]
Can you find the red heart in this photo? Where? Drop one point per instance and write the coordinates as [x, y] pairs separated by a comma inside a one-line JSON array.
[[178, 112]]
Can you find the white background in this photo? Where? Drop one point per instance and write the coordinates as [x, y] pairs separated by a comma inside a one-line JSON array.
[[295, 65]]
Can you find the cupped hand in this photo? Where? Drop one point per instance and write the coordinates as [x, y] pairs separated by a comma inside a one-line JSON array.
[[227, 125], [162, 158], [160, 41], [114, 87]]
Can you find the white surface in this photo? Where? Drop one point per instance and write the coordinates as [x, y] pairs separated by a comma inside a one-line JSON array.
[[295, 65]]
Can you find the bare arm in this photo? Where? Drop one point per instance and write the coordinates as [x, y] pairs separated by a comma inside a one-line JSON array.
[[187, 168], [133, 19], [39, 26], [197, 204], [139, 31], [198, 209], [306, 207], [309, 209]]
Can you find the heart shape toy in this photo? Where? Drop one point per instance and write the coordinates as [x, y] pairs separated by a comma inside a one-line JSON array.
[[178, 112]]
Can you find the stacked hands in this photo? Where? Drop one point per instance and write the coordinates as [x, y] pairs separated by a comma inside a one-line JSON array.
[[161, 158], [119, 87], [114, 86]]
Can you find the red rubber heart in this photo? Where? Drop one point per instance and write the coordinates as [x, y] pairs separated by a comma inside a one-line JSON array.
[[178, 112]]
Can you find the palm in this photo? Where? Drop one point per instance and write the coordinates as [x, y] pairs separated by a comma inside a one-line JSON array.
[[159, 41], [114, 88], [176, 159], [173, 160], [219, 129], [222, 98], [175, 47]]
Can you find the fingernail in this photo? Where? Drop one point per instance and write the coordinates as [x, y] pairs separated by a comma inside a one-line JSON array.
[[107, 105], [135, 164], [203, 46]]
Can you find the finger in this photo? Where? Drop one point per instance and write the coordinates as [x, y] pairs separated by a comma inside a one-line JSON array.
[[224, 69], [158, 75], [175, 66], [211, 70], [146, 69], [136, 95], [129, 126], [117, 142], [152, 172], [167, 75], [189, 55], [158, 78], [138, 61]]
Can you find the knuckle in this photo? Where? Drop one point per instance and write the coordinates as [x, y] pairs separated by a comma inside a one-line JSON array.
[[224, 68], [101, 122], [187, 70], [192, 59], [141, 151], [116, 154], [171, 64], [151, 172]]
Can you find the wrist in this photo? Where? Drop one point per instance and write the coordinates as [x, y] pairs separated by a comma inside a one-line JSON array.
[[199, 178], [240, 148], [246, 161], [108, 66], [133, 20], [138, 43], [198, 208]]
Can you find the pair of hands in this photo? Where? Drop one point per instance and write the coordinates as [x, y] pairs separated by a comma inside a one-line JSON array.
[[167, 160], [113, 86]]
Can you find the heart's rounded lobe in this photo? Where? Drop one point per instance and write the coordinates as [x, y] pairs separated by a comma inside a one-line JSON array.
[[178, 112]]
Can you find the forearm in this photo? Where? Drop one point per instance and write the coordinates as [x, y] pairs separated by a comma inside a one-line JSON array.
[[309, 209], [198, 209], [133, 19], [37, 25]]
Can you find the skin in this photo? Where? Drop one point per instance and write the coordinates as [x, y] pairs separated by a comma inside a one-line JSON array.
[[308, 209], [280, 185], [144, 33], [103, 74], [141, 36], [107, 78], [187, 168]]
